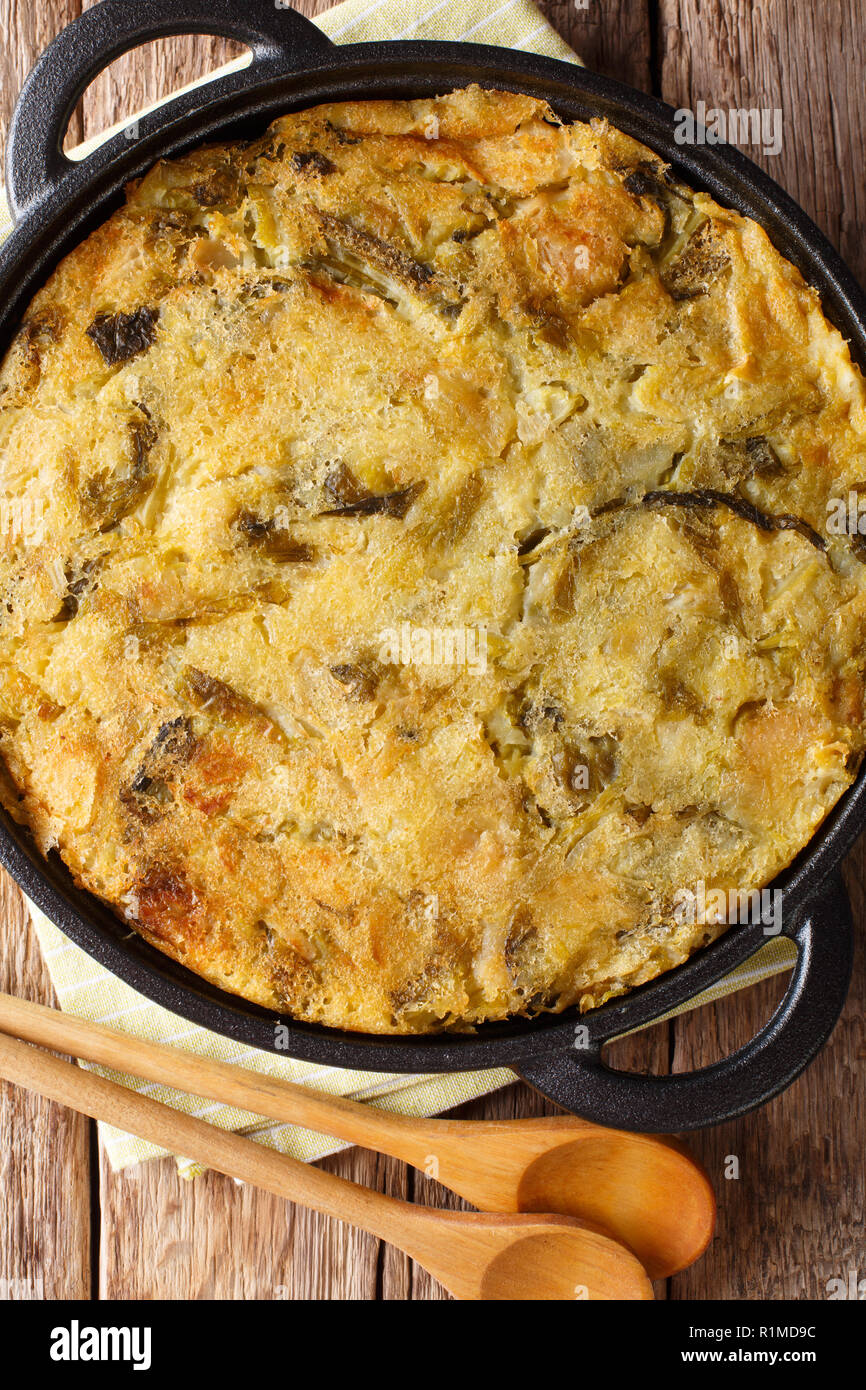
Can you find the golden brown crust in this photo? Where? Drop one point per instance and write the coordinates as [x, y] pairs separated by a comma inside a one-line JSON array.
[[394, 373]]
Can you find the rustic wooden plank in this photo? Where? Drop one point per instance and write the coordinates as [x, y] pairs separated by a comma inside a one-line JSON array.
[[806, 60], [148, 73], [795, 1216], [27, 29], [44, 1150], [612, 36], [168, 1237]]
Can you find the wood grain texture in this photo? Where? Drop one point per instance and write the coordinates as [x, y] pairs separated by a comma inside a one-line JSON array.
[[44, 1151], [148, 73], [806, 60], [792, 1209], [26, 29], [613, 37], [166, 1237], [795, 1215]]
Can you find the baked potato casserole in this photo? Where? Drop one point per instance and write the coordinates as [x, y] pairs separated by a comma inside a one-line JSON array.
[[418, 569]]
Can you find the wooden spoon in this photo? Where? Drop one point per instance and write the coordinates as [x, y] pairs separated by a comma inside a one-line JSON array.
[[475, 1255], [646, 1192]]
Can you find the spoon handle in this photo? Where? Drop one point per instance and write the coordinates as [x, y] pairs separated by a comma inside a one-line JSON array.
[[385, 1217], [400, 1136]]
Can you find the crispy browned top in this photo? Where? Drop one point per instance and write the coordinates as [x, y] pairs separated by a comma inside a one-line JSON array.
[[417, 571]]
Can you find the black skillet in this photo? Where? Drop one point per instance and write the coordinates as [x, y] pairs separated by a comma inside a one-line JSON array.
[[56, 202]]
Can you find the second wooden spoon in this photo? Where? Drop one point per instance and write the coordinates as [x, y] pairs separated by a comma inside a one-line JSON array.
[[647, 1192], [474, 1254]]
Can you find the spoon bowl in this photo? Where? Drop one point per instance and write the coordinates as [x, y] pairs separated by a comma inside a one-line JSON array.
[[567, 1263], [628, 1187]]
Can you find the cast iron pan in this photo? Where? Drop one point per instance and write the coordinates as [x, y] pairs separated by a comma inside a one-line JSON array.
[[56, 202]]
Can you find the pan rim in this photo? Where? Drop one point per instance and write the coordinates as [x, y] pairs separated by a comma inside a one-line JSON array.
[[396, 67]]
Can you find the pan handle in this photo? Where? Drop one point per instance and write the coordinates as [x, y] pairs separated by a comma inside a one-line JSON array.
[[281, 41], [581, 1082]]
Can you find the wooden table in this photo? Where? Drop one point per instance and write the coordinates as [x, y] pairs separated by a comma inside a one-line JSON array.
[[794, 1217]]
